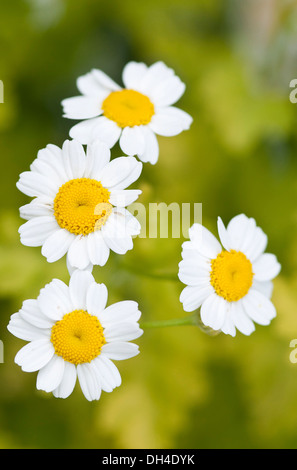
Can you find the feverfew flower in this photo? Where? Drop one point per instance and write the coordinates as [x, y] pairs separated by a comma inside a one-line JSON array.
[[133, 114], [73, 335], [231, 285], [79, 205]]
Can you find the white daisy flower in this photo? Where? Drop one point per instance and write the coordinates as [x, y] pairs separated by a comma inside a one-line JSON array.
[[79, 205], [231, 285], [132, 115], [72, 334]]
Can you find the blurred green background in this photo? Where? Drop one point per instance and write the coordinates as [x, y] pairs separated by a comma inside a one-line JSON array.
[[186, 389]]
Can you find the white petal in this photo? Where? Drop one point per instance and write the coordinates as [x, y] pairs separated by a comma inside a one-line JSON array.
[[106, 374], [52, 155], [110, 370], [116, 233], [78, 252], [213, 311], [89, 381], [81, 107], [124, 311], [122, 332], [245, 236], [34, 184], [71, 268], [123, 197], [98, 251], [46, 166], [265, 287], [54, 300], [98, 155], [57, 244], [79, 285], [20, 328], [120, 173], [151, 147], [96, 298], [83, 131], [228, 326], [240, 319], [258, 307], [132, 141], [37, 208], [89, 86], [50, 376], [67, 383], [131, 223], [266, 267], [105, 80], [35, 355], [204, 241], [153, 76], [120, 244], [133, 73], [119, 351], [257, 244], [170, 121], [194, 273], [168, 91], [223, 234], [191, 255], [106, 131], [35, 231], [192, 297], [32, 314], [74, 159], [105, 384]]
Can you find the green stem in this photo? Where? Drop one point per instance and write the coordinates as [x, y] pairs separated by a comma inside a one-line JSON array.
[[172, 322], [193, 320]]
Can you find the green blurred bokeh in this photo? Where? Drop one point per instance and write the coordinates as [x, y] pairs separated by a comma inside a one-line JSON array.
[[185, 389]]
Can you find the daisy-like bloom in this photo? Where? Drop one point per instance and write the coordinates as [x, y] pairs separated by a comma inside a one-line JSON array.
[[72, 334], [132, 115], [79, 204], [232, 285]]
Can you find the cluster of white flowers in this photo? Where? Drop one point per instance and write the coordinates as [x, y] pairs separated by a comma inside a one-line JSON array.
[[79, 210]]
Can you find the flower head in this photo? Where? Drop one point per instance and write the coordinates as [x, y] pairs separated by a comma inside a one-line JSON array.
[[79, 203], [72, 334], [232, 285], [132, 115]]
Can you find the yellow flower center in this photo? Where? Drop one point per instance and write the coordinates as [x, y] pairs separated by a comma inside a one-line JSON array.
[[78, 337], [231, 275], [82, 206], [128, 108]]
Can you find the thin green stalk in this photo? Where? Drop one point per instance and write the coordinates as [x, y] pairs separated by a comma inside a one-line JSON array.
[[172, 322], [193, 320]]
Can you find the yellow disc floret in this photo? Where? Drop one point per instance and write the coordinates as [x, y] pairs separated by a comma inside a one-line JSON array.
[[78, 337], [231, 275], [128, 108], [77, 206]]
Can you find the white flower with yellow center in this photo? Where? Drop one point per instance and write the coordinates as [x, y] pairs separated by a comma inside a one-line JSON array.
[[231, 285], [72, 334], [79, 205], [132, 115]]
